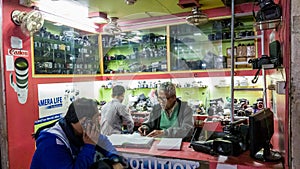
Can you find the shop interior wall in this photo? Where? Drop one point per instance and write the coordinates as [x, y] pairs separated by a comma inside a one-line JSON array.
[[213, 88], [21, 117]]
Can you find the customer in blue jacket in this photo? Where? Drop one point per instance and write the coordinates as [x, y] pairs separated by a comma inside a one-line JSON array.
[[71, 141]]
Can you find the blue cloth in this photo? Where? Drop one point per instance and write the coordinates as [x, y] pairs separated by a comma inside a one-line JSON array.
[[54, 151], [106, 148]]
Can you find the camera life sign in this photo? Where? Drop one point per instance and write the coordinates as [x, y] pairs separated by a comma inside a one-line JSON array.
[[55, 98]]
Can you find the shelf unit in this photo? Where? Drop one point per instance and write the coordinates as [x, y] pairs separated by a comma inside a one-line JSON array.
[[135, 51], [262, 26], [259, 26], [64, 50], [152, 52], [204, 47], [182, 45]]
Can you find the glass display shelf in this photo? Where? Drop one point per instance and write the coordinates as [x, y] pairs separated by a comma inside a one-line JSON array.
[[64, 50], [135, 51], [207, 47]]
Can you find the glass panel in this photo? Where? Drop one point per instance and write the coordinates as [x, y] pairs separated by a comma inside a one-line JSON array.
[[208, 46], [191, 49], [60, 49], [135, 51]]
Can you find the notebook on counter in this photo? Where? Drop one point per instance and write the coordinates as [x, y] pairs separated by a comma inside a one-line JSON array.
[[169, 144], [130, 140]]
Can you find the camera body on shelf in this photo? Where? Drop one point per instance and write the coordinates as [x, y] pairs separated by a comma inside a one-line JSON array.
[[268, 11], [264, 60]]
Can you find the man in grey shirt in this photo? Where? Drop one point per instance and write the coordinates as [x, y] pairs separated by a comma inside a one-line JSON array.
[[114, 114]]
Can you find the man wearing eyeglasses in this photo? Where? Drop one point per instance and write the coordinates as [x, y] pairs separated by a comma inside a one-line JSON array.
[[170, 118]]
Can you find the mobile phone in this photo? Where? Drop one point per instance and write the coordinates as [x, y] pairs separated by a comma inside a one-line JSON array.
[[86, 123]]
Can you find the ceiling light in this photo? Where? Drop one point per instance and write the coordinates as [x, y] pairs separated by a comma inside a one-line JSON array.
[[65, 8], [112, 26], [197, 17], [81, 24], [66, 12], [130, 2]]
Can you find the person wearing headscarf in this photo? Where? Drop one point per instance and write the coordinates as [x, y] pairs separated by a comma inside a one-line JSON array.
[[72, 141]]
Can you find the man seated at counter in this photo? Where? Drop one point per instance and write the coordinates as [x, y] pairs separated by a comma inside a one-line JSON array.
[[114, 114], [170, 118]]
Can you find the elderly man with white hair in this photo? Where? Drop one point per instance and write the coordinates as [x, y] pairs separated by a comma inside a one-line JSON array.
[[171, 118]]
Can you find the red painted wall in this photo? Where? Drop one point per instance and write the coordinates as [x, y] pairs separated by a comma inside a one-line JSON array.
[[282, 34], [282, 101], [21, 117]]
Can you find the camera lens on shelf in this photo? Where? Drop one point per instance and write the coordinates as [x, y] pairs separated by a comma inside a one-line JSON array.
[[226, 35], [242, 34]]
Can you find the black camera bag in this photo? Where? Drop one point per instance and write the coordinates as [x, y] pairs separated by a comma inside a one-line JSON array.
[[268, 11]]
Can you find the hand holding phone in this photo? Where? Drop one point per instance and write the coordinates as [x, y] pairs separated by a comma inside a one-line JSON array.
[[91, 132], [86, 124]]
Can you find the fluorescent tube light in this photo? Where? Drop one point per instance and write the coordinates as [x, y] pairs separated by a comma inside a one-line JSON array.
[[69, 13]]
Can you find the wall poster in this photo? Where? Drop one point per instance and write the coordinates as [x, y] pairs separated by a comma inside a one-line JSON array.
[[55, 98]]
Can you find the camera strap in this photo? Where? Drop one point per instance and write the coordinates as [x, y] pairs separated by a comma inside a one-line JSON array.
[[254, 80]]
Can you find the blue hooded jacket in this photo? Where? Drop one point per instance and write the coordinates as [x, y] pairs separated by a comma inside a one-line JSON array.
[[54, 150]]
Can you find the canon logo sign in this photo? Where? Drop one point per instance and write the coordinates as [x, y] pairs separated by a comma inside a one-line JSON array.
[[17, 52]]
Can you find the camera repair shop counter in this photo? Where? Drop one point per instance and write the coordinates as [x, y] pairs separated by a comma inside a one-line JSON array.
[[187, 158]]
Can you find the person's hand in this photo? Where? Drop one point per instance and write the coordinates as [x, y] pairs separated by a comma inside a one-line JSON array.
[[143, 130], [118, 166], [91, 134], [156, 133]]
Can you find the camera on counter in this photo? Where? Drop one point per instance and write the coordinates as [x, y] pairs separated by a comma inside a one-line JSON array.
[[231, 142], [215, 107], [235, 140], [243, 108], [268, 11]]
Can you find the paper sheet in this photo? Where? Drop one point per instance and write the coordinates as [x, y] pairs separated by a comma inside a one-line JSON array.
[[170, 144], [131, 140]]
